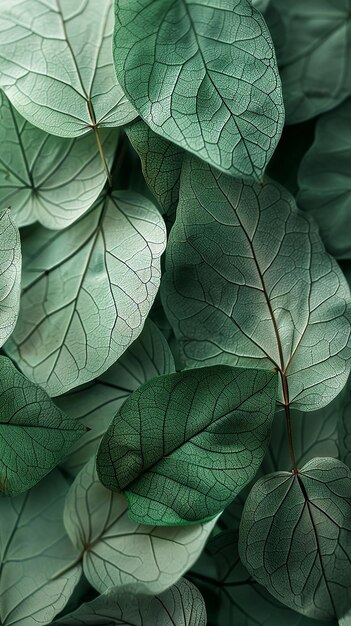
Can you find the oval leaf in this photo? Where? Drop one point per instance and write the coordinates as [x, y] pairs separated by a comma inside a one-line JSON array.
[[182, 446], [181, 605], [56, 65], [34, 434], [295, 537], [204, 76], [119, 552], [45, 178], [87, 291], [97, 403], [248, 283], [38, 572], [10, 274]]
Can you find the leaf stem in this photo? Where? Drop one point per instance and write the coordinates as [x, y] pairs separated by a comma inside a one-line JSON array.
[[288, 421], [98, 141]]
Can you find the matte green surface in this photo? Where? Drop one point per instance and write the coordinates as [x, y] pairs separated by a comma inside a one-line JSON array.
[[203, 75], [183, 445]]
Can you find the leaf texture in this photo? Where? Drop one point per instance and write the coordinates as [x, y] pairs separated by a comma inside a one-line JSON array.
[[181, 605], [38, 573], [248, 283], [96, 403], [202, 75], [87, 291], [56, 65], [325, 188], [295, 537], [48, 179], [119, 552], [183, 445], [34, 434], [10, 274]]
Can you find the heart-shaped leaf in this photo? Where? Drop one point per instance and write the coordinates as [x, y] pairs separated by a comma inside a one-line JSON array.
[[56, 65], [248, 283], [295, 537], [204, 76], [183, 445], [10, 274], [45, 178], [87, 291], [119, 552], [96, 403], [38, 568], [181, 605], [34, 434]]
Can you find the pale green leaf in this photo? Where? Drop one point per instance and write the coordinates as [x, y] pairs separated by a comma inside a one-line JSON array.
[[119, 552], [48, 179], [10, 274], [96, 403], [248, 283], [38, 572], [87, 291], [295, 537], [202, 75], [313, 47], [56, 65], [34, 434], [181, 605], [324, 180], [183, 445]]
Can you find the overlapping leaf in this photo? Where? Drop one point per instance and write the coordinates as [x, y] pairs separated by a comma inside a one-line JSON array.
[[87, 291], [203, 76], [181, 605], [56, 65], [119, 552], [295, 537], [45, 178], [313, 47], [38, 573], [324, 180], [34, 434], [183, 445], [248, 282], [97, 403], [10, 274]]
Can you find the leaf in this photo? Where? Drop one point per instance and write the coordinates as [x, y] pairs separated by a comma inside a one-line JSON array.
[[161, 164], [325, 188], [34, 434], [182, 446], [313, 57], [344, 430], [57, 68], [295, 537], [248, 283], [87, 291], [47, 178], [10, 274], [181, 605], [261, 5], [38, 572], [203, 76], [97, 403], [119, 552]]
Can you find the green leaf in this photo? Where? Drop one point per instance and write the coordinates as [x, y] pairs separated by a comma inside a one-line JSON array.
[[10, 274], [325, 188], [248, 283], [182, 446], [261, 5], [203, 76], [34, 434], [96, 403], [181, 605], [87, 291], [50, 179], [313, 46], [119, 552], [344, 430], [57, 68], [38, 572], [161, 164], [295, 537]]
